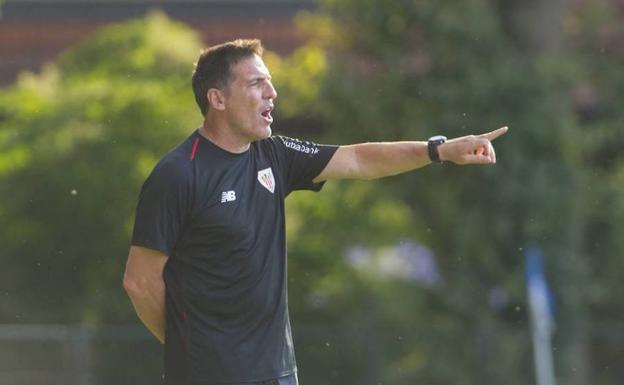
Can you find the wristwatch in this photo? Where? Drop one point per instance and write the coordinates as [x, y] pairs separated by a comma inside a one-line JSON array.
[[432, 147]]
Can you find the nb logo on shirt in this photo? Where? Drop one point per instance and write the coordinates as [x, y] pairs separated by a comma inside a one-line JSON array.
[[228, 196]]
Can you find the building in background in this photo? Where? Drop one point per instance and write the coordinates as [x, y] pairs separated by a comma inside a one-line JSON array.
[[33, 32]]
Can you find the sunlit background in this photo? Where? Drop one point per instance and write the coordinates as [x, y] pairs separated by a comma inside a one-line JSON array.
[[415, 279]]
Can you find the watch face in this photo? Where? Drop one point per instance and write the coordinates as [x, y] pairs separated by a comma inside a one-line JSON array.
[[438, 138]]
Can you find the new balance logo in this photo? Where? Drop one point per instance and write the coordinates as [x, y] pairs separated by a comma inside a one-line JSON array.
[[228, 196]]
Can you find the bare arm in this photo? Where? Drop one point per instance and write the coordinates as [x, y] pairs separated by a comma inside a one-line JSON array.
[[145, 286], [377, 160]]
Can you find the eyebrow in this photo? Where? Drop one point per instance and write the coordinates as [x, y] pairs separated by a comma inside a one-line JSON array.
[[259, 77]]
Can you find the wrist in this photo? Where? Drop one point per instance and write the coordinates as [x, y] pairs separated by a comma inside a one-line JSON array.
[[434, 145], [442, 152]]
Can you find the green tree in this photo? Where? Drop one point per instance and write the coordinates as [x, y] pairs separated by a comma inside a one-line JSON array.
[[405, 71], [76, 142], [78, 139], [597, 36]]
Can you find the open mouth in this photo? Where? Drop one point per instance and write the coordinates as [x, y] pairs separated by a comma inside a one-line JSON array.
[[266, 114]]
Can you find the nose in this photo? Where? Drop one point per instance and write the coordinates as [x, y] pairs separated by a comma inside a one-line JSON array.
[[270, 92]]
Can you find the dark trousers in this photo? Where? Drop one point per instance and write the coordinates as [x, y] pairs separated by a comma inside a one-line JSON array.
[[288, 380]]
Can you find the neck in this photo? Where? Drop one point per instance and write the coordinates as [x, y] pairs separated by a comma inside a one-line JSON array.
[[223, 137]]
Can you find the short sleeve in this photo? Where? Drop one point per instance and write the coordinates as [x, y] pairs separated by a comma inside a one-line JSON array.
[[163, 209], [302, 161]]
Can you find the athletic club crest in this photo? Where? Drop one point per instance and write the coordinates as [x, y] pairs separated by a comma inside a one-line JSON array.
[[265, 177]]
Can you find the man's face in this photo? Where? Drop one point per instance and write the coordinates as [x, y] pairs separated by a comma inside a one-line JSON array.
[[249, 99]]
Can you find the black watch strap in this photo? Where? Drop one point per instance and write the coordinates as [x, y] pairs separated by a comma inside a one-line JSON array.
[[432, 147]]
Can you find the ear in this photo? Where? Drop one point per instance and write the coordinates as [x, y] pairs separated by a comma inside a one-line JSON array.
[[216, 99]]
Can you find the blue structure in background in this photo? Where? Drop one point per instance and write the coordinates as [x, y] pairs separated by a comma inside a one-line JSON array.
[[542, 316]]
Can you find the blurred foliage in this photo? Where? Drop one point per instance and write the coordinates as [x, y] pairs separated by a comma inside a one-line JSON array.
[[78, 139], [76, 143], [408, 70], [299, 76], [597, 36]]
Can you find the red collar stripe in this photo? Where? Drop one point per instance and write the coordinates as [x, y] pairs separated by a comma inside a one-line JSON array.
[[194, 150]]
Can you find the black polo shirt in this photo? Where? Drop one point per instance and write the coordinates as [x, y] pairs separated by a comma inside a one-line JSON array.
[[219, 217]]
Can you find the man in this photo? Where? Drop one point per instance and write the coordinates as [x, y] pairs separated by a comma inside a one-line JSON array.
[[206, 271]]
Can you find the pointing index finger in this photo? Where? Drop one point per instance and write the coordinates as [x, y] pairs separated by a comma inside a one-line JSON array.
[[496, 133]]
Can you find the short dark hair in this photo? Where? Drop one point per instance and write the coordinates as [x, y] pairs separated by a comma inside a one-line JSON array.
[[214, 67]]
